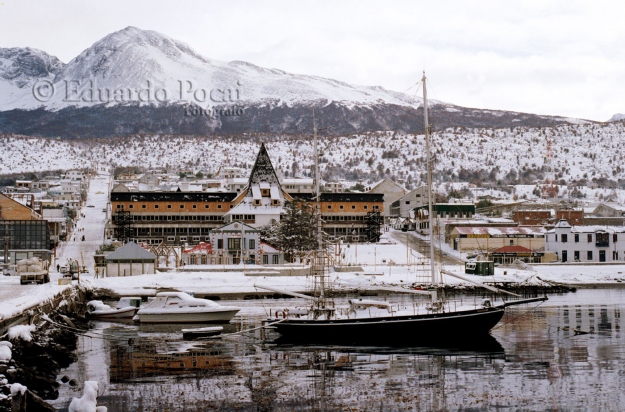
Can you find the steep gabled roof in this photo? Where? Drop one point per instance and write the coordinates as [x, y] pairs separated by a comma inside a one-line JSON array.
[[263, 170]]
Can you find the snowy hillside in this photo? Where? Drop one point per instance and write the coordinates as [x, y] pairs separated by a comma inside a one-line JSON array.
[[137, 81], [617, 117], [586, 152]]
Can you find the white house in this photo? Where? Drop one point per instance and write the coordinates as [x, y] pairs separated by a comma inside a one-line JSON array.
[[586, 243], [74, 175], [235, 242], [262, 199]]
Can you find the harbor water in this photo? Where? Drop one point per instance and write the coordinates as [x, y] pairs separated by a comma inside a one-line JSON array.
[[566, 354]]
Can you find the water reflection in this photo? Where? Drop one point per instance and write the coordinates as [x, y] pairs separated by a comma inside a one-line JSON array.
[[535, 360]]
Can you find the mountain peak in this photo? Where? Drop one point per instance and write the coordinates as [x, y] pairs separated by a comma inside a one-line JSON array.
[[114, 54], [617, 117], [23, 65]]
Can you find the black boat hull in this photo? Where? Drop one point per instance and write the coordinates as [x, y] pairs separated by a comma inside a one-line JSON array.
[[391, 329]]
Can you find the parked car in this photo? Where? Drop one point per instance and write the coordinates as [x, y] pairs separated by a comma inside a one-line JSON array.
[[90, 206]]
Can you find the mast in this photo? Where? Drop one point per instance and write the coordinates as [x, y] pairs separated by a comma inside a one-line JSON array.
[[426, 126], [321, 306]]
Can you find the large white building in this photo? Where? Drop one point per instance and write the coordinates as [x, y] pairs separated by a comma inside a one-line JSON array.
[[261, 200], [586, 243]]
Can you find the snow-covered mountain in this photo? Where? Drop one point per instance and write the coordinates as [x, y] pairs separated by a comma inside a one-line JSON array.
[[124, 66], [20, 69], [134, 81], [617, 117]]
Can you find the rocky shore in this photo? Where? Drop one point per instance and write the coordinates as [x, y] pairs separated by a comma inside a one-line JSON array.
[[37, 353]]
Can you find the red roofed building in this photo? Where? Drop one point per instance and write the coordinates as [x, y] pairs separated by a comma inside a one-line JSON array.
[[200, 254], [508, 254]]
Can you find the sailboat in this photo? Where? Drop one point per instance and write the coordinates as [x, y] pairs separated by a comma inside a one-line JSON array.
[[377, 322]]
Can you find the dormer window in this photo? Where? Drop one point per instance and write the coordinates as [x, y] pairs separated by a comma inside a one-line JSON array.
[[256, 202], [264, 192], [275, 202]]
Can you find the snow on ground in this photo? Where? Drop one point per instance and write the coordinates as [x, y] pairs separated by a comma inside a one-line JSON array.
[[91, 226], [16, 298], [22, 332], [387, 263]]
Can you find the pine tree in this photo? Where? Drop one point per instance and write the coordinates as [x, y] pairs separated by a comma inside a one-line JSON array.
[[296, 232]]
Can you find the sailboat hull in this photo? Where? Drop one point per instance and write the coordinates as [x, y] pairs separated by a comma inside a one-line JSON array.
[[392, 329]]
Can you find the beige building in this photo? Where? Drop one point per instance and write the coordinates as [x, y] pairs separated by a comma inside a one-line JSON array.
[[488, 239], [392, 191]]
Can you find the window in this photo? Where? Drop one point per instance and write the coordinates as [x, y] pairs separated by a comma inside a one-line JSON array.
[[556, 237], [120, 206], [329, 207], [614, 237], [194, 207], [589, 237], [564, 237], [234, 243], [407, 202], [170, 238], [589, 254], [366, 207], [274, 259], [576, 255], [603, 239], [168, 206], [155, 206], [183, 238], [576, 237], [220, 243], [375, 207], [341, 207], [265, 259], [218, 206], [181, 206], [353, 207], [206, 206], [614, 255], [252, 244], [131, 206]]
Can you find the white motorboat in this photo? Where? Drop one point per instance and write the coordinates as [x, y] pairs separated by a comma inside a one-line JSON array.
[[127, 307], [180, 307]]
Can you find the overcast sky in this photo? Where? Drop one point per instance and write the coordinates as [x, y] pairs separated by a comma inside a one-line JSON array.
[[557, 58]]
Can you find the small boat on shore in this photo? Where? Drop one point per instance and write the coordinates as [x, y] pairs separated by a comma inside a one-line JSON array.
[[202, 332], [180, 307], [127, 307]]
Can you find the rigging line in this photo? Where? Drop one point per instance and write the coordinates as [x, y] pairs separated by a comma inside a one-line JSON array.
[[522, 314], [417, 84]]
